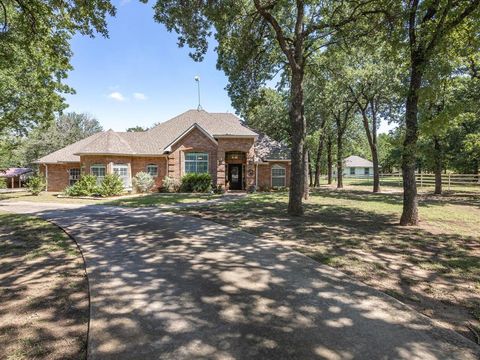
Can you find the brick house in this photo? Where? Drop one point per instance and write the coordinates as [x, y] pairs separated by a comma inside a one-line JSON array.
[[236, 157]]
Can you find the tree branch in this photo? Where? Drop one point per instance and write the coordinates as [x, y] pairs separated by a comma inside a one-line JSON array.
[[262, 10]]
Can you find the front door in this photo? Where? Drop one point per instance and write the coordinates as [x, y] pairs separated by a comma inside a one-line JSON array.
[[235, 176]]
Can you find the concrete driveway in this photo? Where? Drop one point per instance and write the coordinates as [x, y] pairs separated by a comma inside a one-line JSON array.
[[165, 286]]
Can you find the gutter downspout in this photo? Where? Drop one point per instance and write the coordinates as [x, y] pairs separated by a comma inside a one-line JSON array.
[[256, 175], [166, 170], [46, 177]]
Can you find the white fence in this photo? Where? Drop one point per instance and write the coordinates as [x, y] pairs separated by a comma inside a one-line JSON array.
[[423, 180]]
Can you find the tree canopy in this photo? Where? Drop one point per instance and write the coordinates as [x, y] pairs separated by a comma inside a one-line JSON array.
[[35, 55]]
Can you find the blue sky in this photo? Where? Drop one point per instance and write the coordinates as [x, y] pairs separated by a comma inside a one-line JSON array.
[[139, 76]]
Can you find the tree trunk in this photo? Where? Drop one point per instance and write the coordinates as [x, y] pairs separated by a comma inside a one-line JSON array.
[[438, 165], [410, 201], [306, 159], [339, 155], [329, 160], [298, 126], [318, 162], [310, 171], [372, 142]]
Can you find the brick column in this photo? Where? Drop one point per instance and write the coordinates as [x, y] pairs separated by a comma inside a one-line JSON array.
[[221, 166]]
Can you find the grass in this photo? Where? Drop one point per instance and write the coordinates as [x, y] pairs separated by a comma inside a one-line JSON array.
[[43, 291], [45, 197], [434, 267], [138, 200], [162, 199]]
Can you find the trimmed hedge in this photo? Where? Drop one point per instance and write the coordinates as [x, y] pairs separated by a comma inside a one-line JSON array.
[[197, 183], [3, 183]]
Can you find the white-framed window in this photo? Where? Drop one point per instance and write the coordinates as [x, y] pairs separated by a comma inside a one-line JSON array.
[[196, 162], [122, 171], [73, 176], [278, 176], [367, 171], [152, 169], [352, 171], [98, 170]]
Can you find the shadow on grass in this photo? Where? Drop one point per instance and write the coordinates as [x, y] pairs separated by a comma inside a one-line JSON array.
[[161, 199], [435, 273], [171, 286], [43, 291]]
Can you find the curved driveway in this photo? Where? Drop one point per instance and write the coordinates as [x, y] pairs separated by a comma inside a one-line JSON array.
[[166, 286]]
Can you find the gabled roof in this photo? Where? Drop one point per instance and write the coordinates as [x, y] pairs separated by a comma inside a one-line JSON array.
[[154, 141], [182, 135], [215, 124], [357, 161]]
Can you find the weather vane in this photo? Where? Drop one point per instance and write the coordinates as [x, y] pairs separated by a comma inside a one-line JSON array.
[[197, 79]]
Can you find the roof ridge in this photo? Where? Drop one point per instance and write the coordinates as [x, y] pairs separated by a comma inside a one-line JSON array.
[[171, 119]]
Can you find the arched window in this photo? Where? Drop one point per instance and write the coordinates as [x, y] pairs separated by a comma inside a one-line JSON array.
[[278, 176]]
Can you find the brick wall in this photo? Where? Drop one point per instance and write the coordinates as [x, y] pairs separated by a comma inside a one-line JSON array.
[[265, 174], [236, 144], [57, 175], [135, 164], [194, 141]]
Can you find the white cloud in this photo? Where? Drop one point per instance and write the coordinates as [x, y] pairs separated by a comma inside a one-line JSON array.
[[117, 96], [139, 96]]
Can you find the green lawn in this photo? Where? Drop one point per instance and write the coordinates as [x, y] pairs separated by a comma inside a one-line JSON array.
[[434, 267], [162, 199], [45, 197], [136, 200], [43, 291]]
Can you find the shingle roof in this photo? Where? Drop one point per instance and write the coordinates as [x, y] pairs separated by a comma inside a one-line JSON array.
[[11, 172], [357, 161], [153, 141], [216, 124], [66, 154], [268, 149]]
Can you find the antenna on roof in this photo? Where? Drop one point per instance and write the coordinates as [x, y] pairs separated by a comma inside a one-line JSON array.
[[197, 79]]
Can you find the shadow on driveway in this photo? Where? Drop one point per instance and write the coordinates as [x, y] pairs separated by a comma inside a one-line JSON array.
[[175, 287]]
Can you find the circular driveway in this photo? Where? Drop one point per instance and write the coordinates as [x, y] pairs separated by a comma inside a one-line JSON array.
[[167, 286]]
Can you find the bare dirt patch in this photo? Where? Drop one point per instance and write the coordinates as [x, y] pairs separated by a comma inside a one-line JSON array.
[[43, 292]]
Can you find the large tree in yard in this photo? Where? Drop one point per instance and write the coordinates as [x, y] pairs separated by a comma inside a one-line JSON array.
[[258, 39], [35, 56], [424, 28]]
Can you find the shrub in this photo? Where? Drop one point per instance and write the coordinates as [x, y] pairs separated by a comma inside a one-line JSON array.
[[86, 186], [143, 182], [36, 184], [201, 183], [111, 185], [170, 185], [219, 189], [3, 183]]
